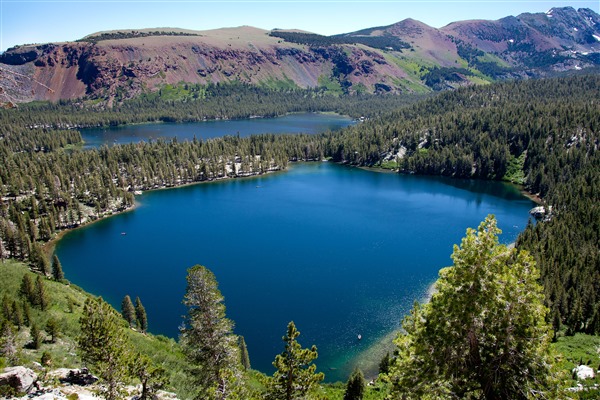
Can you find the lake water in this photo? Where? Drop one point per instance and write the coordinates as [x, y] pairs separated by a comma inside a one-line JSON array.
[[340, 251], [309, 123]]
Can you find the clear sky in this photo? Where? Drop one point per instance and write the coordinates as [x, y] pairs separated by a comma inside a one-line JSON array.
[[43, 21]]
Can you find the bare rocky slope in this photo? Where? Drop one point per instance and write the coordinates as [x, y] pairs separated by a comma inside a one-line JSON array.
[[405, 57]]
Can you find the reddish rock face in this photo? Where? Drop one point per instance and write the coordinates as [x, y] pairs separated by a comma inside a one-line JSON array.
[[120, 65]]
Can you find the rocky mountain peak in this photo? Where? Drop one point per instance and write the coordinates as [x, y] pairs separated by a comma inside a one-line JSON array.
[[406, 56]]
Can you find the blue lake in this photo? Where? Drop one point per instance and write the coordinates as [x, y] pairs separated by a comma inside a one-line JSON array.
[[309, 123], [338, 250]]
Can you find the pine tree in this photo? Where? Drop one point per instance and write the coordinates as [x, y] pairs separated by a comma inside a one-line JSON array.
[[355, 387], [38, 259], [57, 271], [41, 296], [9, 348], [244, 356], [17, 314], [53, 328], [26, 313], [27, 289], [483, 334], [384, 364], [128, 311], [104, 347], [140, 314], [295, 374], [152, 377], [6, 307], [36, 337], [207, 338]]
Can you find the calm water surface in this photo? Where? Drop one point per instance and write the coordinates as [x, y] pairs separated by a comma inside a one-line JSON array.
[[338, 250], [310, 123]]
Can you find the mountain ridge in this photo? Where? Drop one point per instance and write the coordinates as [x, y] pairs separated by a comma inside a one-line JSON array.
[[405, 57]]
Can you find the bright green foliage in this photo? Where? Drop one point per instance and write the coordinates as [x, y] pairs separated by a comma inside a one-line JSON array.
[[140, 315], [355, 388], [483, 335], [152, 377], [295, 374], [208, 340], [57, 272], [128, 311], [104, 347]]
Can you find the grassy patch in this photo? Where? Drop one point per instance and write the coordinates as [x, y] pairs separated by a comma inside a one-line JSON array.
[[279, 84], [331, 84], [335, 391], [580, 349], [389, 165], [514, 171]]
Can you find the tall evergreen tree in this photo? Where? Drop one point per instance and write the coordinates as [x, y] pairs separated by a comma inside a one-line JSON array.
[[41, 296], [128, 311], [207, 337], [295, 374], [27, 289], [384, 364], [355, 387], [53, 328], [38, 259], [140, 315], [17, 314], [36, 336], [57, 271], [26, 312], [483, 334], [104, 347], [9, 348], [244, 356]]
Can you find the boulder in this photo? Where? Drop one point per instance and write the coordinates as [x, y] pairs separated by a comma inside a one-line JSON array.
[[584, 372], [19, 378], [79, 377], [538, 212]]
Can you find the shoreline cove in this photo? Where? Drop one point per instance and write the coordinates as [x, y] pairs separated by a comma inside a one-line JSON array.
[[372, 356], [50, 246]]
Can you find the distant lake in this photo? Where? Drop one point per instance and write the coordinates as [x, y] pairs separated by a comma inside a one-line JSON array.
[[341, 251], [310, 123]]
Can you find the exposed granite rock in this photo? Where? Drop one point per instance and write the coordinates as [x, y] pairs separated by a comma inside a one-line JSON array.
[[19, 378]]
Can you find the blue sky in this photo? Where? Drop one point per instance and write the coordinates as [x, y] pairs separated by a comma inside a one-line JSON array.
[[43, 21]]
